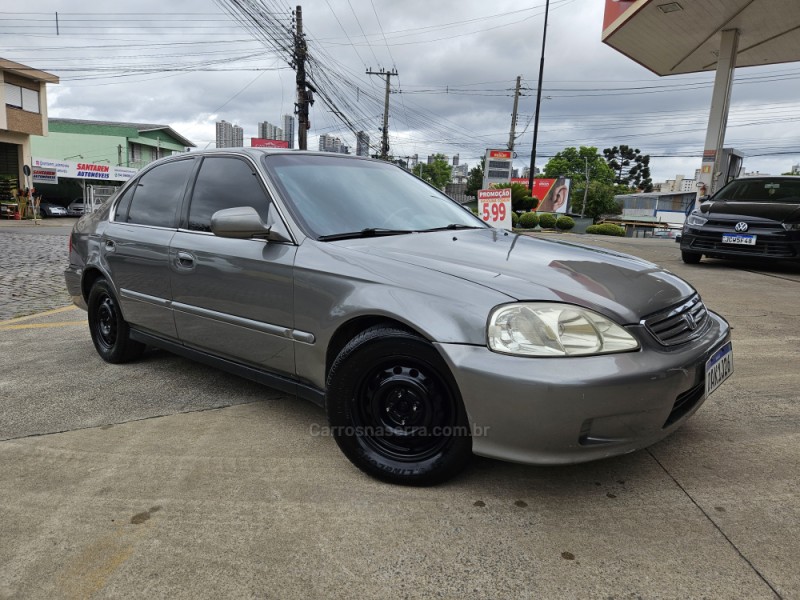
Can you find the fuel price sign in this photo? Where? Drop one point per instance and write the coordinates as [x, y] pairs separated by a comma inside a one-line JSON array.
[[494, 207]]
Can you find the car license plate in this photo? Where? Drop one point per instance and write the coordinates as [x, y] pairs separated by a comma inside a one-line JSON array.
[[718, 368], [739, 238]]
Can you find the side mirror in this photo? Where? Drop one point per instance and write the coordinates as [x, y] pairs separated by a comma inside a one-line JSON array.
[[244, 222]]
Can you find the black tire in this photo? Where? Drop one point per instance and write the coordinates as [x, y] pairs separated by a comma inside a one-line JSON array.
[[395, 410], [690, 258], [110, 332]]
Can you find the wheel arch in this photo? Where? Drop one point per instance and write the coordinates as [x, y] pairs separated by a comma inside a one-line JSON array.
[[351, 328]]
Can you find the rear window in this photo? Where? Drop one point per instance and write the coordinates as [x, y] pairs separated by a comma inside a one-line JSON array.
[[761, 190]]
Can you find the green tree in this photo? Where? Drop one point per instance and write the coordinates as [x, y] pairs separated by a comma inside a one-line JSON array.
[[572, 162], [475, 179], [438, 173], [520, 196], [631, 167], [599, 201]]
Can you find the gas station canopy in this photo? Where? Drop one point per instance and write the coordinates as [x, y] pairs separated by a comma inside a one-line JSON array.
[[683, 36]]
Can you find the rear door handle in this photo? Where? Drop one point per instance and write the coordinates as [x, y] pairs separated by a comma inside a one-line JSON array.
[[110, 246], [185, 260]]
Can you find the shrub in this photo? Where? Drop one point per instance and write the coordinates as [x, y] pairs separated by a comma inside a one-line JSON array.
[[529, 220], [514, 219], [565, 223], [547, 221], [606, 229]]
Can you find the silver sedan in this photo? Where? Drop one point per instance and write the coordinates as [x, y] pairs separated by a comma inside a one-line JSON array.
[[426, 335]]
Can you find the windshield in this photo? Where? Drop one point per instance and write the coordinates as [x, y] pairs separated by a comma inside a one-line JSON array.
[[761, 190], [333, 195]]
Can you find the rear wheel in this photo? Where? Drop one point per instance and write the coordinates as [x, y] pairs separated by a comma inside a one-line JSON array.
[[691, 258], [395, 410], [110, 332]]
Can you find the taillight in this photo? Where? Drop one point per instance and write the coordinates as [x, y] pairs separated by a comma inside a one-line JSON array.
[[70, 244]]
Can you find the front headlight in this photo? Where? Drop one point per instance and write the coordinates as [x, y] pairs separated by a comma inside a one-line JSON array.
[[791, 226], [550, 329], [696, 220]]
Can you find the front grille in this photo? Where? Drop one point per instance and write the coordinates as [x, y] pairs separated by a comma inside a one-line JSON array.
[[711, 244], [685, 402], [679, 323]]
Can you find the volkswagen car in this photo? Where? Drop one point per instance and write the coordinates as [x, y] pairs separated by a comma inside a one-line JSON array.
[[752, 217], [424, 334]]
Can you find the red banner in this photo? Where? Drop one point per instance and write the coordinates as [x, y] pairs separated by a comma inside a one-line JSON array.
[[552, 193], [264, 143]]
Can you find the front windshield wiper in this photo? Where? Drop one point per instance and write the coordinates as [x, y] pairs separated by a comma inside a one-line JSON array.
[[363, 233], [452, 226]]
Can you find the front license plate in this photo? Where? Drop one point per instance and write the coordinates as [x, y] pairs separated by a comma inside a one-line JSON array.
[[739, 238], [718, 368]]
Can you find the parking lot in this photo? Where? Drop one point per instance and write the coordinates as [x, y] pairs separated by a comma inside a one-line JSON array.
[[165, 478]]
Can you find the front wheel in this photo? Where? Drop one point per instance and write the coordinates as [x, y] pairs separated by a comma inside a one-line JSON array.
[[110, 332], [395, 410], [690, 258]]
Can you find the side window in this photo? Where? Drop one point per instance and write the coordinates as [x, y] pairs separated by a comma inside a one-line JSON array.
[[124, 203], [158, 194], [225, 182]]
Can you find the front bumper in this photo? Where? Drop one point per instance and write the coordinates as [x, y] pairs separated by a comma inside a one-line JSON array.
[[769, 244], [570, 410]]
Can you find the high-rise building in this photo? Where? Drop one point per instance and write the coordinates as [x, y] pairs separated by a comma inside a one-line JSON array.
[[238, 136], [268, 131], [229, 135], [224, 134], [329, 143], [362, 144], [288, 130]]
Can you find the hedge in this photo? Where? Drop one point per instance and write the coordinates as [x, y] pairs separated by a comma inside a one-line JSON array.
[[528, 220], [565, 223], [606, 229], [547, 221]]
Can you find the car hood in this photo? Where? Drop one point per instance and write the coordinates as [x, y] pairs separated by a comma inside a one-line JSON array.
[[772, 211], [526, 268]]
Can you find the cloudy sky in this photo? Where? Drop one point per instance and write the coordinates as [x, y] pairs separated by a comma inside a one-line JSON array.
[[190, 63]]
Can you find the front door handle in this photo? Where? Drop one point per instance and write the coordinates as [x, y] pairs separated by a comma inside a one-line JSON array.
[[185, 260], [110, 246]]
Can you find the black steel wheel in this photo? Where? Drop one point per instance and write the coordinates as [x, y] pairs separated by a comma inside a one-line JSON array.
[[110, 332], [395, 410]]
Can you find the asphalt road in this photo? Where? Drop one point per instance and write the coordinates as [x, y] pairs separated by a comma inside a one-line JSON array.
[[166, 479]]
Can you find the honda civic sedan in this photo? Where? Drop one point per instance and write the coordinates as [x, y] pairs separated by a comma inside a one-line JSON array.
[[425, 335], [752, 217]]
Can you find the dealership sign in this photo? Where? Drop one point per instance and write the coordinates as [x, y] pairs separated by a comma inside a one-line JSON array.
[[82, 170], [44, 175]]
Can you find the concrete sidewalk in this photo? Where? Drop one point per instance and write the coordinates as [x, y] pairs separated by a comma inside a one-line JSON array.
[[166, 479]]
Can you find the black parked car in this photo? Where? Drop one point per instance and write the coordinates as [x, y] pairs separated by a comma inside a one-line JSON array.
[[752, 217]]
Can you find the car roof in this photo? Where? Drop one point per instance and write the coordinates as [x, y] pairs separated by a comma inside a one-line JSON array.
[[257, 152]]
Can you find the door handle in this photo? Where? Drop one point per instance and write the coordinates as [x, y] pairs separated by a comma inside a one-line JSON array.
[[185, 260], [110, 246]]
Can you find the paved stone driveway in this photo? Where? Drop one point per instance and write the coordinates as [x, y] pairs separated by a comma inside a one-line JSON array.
[[32, 272]]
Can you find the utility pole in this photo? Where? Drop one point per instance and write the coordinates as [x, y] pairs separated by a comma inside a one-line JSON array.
[[586, 189], [304, 95], [538, 99], [512, 135], [385, 137]]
